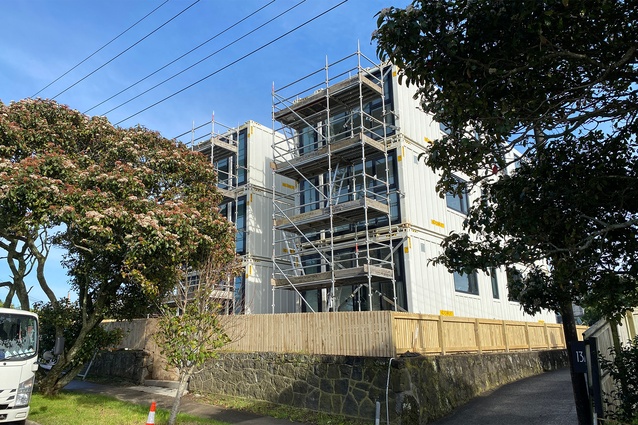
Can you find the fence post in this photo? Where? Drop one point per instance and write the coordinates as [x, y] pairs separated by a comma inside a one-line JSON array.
[[546, 335], [477, 336], [441, 335], [527, 339], [507, 345]]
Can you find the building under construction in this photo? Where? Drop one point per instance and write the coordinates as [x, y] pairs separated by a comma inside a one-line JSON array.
[[356, 217], [241, 158]]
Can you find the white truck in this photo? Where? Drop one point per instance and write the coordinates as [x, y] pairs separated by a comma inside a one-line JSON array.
[[18, 363]]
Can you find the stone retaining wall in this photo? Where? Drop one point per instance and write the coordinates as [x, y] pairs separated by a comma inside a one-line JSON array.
[[419, 389], [130, 365]]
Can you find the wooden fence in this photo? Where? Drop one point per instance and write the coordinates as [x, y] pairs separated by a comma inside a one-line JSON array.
[[368, 334], [602, 334]]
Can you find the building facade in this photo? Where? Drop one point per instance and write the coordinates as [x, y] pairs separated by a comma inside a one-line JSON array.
[[241, 157], [364, 219], [334, 210]]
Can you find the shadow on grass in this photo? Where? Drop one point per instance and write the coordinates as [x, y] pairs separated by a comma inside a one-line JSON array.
[[69, 408]]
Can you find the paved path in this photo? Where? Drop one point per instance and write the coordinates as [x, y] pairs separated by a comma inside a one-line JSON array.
[[545, 399], [164, 399]]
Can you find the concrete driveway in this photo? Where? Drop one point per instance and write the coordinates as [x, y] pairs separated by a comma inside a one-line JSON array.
[[545, 399]]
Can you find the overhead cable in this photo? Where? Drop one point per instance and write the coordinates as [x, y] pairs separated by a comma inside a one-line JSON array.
[[191, 130], [203, 59], [185, 54], [93, 54], [125, 50], [234, 62]]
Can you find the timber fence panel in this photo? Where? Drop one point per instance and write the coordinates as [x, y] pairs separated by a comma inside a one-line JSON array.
[[516, 335], [367, 334], [537, 336], [556, 336], [491, 335], [459, 335], [339, 333], [417, 333]]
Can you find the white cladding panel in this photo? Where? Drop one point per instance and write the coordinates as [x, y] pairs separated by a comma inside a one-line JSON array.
[[413, 123], [259, 154], [431, 288], [259, 294], [259, 215], [420, 204], [259, 223]]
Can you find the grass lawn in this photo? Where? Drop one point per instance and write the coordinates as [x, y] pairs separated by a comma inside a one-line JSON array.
[[80, 409], [74, 408]]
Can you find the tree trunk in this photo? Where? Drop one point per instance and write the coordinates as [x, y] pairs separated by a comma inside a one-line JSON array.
[[9, 298], [54, 380], [184, 377], [60, 375], [579, 385]]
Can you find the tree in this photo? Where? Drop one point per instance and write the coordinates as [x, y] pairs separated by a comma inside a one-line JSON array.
[[623, 367], [64, 319], [129, 207], [556, 80], [193, 326]]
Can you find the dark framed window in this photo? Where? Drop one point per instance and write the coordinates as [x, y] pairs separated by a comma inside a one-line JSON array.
[[494, 279], [466, 283], [309, 196], [239, 294], [240, 225], [307, 141], [242, 157], [224, 173], [458, 201]]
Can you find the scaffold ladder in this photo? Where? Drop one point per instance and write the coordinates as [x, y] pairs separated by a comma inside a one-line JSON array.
[[295, 258]]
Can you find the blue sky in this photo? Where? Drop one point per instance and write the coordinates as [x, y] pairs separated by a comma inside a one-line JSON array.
[[43, 39]]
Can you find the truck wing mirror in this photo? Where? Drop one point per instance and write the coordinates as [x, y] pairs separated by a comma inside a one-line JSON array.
[[59, 346]]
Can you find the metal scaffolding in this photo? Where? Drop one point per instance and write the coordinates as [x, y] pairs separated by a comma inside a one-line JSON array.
[[221, 149], [332, 233]]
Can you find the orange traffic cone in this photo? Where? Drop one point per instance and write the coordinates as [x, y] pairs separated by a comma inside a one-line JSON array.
[[151, 415]]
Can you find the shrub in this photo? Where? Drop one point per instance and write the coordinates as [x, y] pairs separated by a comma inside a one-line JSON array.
[[624, 370]]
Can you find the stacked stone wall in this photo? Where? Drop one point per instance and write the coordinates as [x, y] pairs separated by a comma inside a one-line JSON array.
[[129, 365], [418, 389]]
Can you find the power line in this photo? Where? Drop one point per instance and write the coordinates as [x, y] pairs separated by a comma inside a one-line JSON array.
[[234, 62], [92, 54], [185, 54], [125, 50], [191, 130], [207, 57]]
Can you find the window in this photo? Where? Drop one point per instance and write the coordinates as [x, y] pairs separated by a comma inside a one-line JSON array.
[[240, 224], [494, 279], [224, 173], [242, 160], [458, 201], [309, 195], [18, 337], [307, 140], [466, 283], [240, 300]]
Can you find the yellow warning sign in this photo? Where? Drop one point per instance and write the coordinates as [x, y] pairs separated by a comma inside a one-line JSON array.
[[438, 224]]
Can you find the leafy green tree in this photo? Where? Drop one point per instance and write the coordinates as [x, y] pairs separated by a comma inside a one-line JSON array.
[[555, 80], [193, 326], [129, 207], [623, 367], [64, 319]]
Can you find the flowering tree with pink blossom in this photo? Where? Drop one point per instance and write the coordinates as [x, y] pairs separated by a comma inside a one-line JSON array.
[[128, 206]]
